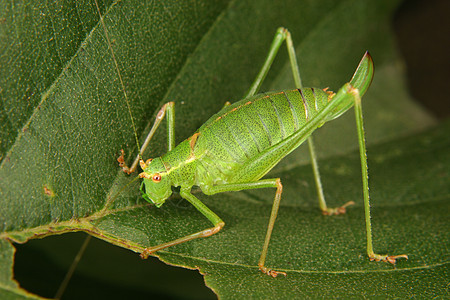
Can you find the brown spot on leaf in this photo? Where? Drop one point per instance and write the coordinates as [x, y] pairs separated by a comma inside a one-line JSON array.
[[48, 191]]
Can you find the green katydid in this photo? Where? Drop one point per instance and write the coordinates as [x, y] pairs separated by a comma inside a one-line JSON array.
[[237, 146]]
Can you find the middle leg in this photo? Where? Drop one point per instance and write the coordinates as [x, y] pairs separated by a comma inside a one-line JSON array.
[[282, 35]]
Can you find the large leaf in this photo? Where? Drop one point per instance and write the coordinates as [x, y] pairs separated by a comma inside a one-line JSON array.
[[61, 142]]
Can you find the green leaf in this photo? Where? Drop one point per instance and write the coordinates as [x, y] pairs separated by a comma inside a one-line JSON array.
[[67, 118]]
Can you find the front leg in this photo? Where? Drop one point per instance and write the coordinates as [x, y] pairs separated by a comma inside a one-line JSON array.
[[218, 225], [168, 108]]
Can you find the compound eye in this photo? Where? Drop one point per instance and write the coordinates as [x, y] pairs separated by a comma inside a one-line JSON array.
[[156, 178]]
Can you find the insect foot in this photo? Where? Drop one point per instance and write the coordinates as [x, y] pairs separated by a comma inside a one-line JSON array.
[[390, 259], [338, 210], [145, 254], [122, 162], [271, 272]]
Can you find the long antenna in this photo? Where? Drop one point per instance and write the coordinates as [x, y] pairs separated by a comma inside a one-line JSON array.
[[118, 74], [83, 247]]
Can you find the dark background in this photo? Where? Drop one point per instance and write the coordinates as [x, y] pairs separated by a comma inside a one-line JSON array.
[[422, 28]]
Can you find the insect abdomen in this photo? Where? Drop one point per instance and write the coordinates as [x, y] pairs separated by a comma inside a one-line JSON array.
[[250, 126]]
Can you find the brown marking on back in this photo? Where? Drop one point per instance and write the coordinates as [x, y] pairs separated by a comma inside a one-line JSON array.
[[193, 140], [237, 108], [330, 95], [232, 110]]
